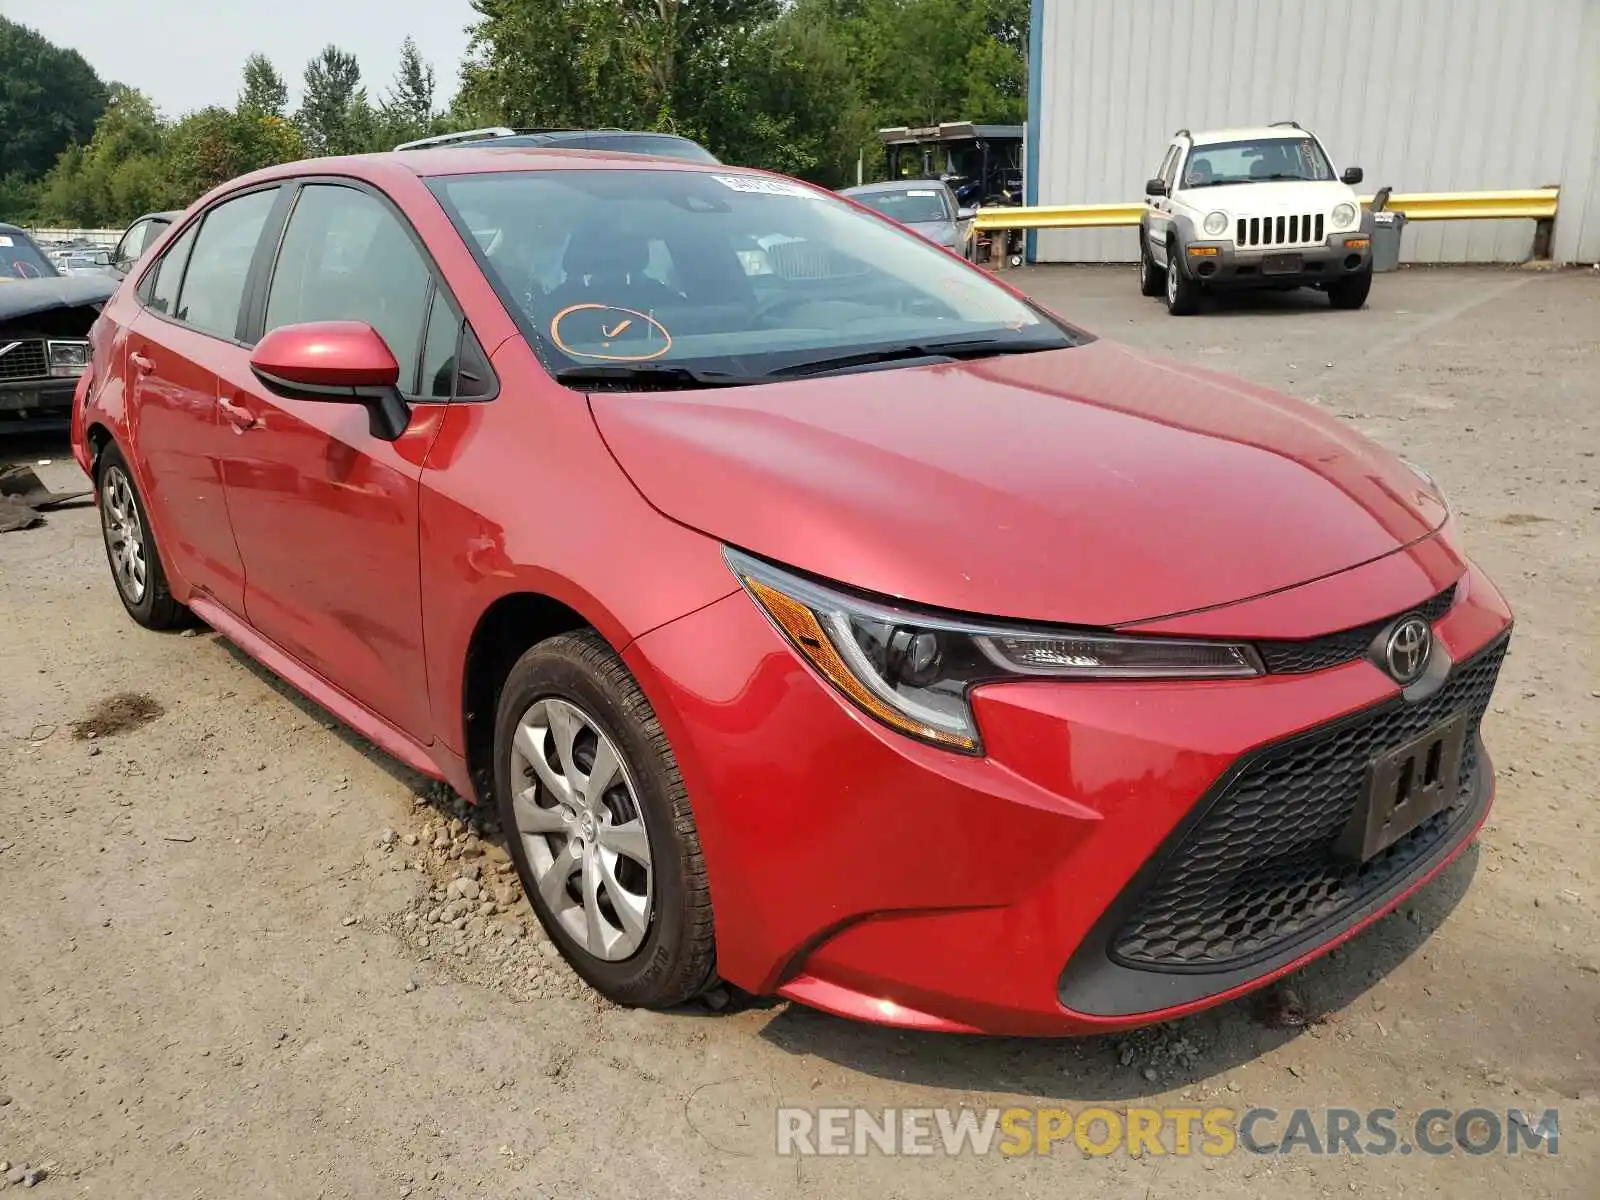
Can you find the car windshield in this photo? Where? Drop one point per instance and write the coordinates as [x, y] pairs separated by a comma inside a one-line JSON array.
[[909, 206], [738, 274], [1259, 160], [20, 258]]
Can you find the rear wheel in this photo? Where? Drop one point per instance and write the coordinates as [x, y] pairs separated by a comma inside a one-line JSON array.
[[604, 839], [131, 548], [1351, 291], [1183, 294], [1150, 278]]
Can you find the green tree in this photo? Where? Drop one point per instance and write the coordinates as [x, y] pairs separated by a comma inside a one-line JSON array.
[[408, 111], [334, 115], [118, 175], [49, 98], [264, 90]]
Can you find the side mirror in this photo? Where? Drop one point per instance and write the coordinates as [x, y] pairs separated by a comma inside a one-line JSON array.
[[1155, 187], [966, 214], [343, 362], [1352, 176]]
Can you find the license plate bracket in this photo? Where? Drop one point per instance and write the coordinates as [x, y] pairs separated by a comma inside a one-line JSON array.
[[1280, 264], [1404, 787]]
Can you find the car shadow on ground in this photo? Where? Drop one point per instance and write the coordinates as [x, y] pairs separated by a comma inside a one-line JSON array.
[[1139, 1063]]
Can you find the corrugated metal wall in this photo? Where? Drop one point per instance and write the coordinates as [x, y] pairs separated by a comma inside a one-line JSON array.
[[1425, 95]]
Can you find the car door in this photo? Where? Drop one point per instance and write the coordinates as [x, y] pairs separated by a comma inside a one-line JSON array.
[[185, 332], [324, 513], [1158, 208]]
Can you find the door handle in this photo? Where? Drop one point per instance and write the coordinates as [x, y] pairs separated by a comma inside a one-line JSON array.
[[145, 365], [240, 417]]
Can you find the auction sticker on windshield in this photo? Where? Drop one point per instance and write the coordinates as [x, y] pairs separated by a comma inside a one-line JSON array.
[[766, 187]]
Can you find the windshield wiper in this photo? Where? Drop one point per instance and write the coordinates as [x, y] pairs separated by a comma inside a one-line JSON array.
[[947, 351], [653, 376]]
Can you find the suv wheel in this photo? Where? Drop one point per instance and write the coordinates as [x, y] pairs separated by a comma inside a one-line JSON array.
[[131, 547], [599, 824], [1150, 281], [1183, 295], [1351, 291]]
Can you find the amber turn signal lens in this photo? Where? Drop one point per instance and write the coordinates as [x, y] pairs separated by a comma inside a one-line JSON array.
[[1202, 251], [1360, 243], [800, 624]]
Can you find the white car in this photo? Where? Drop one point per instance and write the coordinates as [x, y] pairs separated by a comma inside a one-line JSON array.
[[1253, 208]]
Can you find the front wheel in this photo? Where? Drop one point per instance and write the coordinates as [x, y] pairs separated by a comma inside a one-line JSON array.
[[1183, 295], [1351, 291], [602, 834]]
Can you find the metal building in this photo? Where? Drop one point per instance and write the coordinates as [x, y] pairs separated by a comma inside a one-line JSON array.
[[1424, 95]]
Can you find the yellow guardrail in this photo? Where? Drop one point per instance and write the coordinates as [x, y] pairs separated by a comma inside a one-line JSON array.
[[1538, 204]]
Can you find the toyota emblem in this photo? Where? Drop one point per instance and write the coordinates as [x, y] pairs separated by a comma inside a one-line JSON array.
[[1406, 652]]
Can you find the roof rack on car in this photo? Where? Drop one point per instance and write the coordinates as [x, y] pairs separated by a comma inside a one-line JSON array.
[[1183, 133], [1289, 124], [466, 135]]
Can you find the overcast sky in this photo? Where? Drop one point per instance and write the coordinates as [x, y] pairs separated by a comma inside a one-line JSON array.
[[186, 54]]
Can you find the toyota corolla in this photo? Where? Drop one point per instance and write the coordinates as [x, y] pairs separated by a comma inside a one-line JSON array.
[[821, 615]]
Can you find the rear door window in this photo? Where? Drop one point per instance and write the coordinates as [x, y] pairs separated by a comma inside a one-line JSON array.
[[167, 275], [213, 286]]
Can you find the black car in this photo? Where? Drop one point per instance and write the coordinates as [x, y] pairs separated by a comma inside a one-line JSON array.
[[138, 238], [627, 141], [44, 333]]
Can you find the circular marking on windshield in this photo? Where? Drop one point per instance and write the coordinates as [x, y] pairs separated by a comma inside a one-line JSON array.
[[624, 334]]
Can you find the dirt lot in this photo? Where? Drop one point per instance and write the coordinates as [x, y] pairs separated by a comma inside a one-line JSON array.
[[221, 972]]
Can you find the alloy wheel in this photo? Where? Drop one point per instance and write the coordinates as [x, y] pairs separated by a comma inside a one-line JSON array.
[[582, 828], [124, 534], [1172, 278]]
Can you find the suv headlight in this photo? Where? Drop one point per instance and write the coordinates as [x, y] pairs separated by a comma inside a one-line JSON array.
[[1344, 215], [1215, 223], [913, 671], [68, 359]]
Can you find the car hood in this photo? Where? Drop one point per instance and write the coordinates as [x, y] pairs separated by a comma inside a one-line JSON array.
[[25, 297], [941, 232], [1093, 486], [1262, 199]]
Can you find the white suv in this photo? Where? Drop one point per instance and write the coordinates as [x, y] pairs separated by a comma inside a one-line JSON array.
[[1253, 208]]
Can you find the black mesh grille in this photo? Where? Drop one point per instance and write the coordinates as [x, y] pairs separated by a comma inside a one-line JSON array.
[[1334, 649], [1258, 869], [25, 360]]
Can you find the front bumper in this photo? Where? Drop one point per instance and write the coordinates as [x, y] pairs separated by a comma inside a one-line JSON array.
[[866, 874], [1234, 266], [36, 404]]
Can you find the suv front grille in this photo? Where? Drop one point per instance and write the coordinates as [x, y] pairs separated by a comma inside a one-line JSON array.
[[1298, 229], [1334, 649], [23, 360], [1257, 869]]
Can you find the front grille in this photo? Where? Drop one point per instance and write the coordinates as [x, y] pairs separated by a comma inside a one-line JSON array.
[[24, 360], [1257, 870], [1295, 229], [1334, 649]]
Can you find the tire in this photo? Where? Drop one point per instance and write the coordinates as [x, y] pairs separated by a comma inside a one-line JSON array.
[[1182, 293], [1151, 282], [646, 938], [1351, 291], [131, 548]]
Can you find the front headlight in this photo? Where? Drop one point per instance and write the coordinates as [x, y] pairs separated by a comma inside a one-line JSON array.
[[1215, 223], [1344, 216], [913, 671], [68, 359]]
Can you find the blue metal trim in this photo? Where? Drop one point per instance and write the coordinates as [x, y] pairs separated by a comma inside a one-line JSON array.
[[1030, 185]]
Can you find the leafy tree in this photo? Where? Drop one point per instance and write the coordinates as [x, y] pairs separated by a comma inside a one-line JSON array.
[[408, 111], [49, 98], [264, 90], [95, 185], [334, 114]]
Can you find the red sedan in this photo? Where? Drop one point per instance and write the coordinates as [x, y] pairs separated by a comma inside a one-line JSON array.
[[821, 615]]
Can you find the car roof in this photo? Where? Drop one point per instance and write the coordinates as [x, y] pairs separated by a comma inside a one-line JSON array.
[[474, 159], [1247, 133], [895, 185]]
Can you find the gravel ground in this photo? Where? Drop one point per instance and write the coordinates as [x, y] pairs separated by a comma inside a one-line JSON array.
[[243, 953]]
